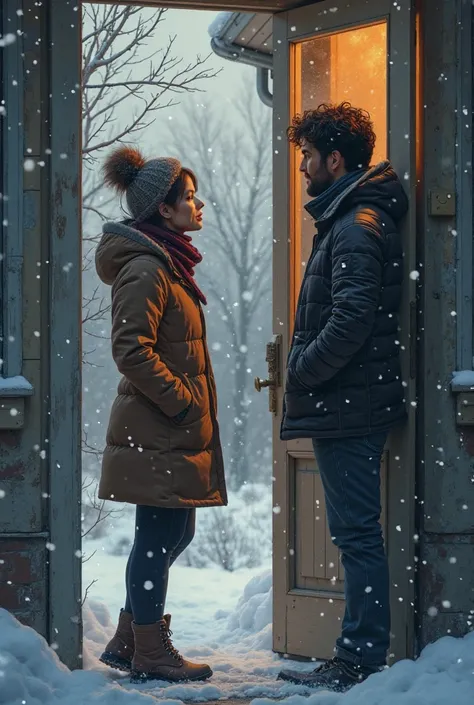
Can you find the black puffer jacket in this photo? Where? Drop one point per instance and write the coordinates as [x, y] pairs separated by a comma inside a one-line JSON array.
[[344, 375]]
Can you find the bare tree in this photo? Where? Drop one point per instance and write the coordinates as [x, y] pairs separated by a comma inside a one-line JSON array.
[[130, 73], [232, 158], [95, 511], [122, 76]]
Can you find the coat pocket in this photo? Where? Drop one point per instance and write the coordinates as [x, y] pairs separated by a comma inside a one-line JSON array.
[[200, 405], [194, 432], [375, 442], [179, 418]]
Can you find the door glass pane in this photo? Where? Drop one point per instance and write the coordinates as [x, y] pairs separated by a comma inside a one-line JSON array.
[[349, 65]]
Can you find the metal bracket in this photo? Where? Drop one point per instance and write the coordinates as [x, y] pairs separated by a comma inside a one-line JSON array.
[[441, 203], [12, 414], [13, 391], [465, 408]]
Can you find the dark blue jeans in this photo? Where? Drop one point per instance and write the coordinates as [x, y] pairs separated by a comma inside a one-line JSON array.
[[161, 535], [350, 473]]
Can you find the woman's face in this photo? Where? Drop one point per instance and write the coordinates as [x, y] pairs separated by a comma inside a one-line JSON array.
[[186, 215]]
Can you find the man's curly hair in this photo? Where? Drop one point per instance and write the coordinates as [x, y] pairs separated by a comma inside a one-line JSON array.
[[341, 128]]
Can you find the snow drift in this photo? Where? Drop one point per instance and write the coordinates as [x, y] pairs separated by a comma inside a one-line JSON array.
[[31, 674], [244, 666]]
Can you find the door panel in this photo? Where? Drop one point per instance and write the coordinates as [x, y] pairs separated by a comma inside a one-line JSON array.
[[317, 560], [319, 619], [363, 53]]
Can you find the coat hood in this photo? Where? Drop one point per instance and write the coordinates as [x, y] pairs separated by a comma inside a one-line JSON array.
[[121, 243], [378, 186]]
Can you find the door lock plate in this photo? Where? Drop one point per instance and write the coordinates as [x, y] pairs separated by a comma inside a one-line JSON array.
[[273, 359]]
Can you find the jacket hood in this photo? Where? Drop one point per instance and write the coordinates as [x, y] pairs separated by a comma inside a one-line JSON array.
[[378, 186], [121, 243]]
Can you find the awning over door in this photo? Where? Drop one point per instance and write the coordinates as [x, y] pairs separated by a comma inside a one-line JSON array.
[[248, 39], [232, 5], [244, 37]]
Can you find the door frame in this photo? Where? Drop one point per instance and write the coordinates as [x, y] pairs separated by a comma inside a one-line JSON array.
[[401, 114], [63, 364]]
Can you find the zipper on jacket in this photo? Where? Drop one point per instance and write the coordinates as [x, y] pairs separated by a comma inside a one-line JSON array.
[[316, 246]]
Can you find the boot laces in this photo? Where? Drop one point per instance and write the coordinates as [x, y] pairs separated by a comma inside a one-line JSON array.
[[326, 666], [168, 644], [351, 672]]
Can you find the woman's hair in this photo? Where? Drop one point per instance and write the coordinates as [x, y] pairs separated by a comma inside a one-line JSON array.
[[176, 192], [123, 166], [174, 195]]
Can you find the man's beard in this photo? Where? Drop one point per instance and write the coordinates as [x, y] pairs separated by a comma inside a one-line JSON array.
[[319, 183]]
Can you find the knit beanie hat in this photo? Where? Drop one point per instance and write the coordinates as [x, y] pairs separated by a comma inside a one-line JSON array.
[[146, 183]]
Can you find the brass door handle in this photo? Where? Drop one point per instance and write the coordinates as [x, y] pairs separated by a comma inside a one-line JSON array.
[[261, 383], [273, 359]]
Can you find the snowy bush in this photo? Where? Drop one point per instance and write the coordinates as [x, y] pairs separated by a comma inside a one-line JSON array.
[[224, 541], [237, 536], [96, 513], [122, 546]]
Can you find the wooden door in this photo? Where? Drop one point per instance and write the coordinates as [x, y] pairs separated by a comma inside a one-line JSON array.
[[363, 52]]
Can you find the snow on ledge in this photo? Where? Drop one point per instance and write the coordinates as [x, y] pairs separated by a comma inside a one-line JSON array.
[[15, 387], [463, 381]]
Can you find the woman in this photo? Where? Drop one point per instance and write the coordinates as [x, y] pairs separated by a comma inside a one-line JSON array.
[[163, 449]]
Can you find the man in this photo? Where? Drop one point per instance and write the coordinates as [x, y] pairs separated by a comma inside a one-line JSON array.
[[344, 388]]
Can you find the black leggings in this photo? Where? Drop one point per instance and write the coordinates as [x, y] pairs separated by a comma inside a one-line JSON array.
[[161, 535]]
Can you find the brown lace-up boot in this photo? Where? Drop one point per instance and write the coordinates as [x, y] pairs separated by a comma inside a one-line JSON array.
[[119, 651], [156, 658]]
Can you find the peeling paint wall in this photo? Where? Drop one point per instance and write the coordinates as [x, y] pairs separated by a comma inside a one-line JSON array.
[[40, 470], [23, 472], [445, 463]]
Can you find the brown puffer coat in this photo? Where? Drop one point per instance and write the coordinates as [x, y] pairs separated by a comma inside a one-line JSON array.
[[159, 346]]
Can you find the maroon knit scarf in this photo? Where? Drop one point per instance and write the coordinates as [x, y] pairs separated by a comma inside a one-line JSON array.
[[183, 254]]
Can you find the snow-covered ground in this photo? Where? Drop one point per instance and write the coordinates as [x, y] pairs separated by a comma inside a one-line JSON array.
[[219, 617], [238, 648], [237, 642], [225, 619], [202, 602]]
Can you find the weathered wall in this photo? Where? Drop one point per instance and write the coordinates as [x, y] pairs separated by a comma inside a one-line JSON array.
[[23, 476], [40, 293], [445, 464]]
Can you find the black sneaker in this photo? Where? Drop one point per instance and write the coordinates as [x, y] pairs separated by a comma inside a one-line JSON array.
[[336, 675]]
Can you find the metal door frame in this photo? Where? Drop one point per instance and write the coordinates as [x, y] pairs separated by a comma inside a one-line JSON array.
[[65, 331]]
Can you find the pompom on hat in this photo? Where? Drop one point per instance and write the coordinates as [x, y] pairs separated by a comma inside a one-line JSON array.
[[145, 182]]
